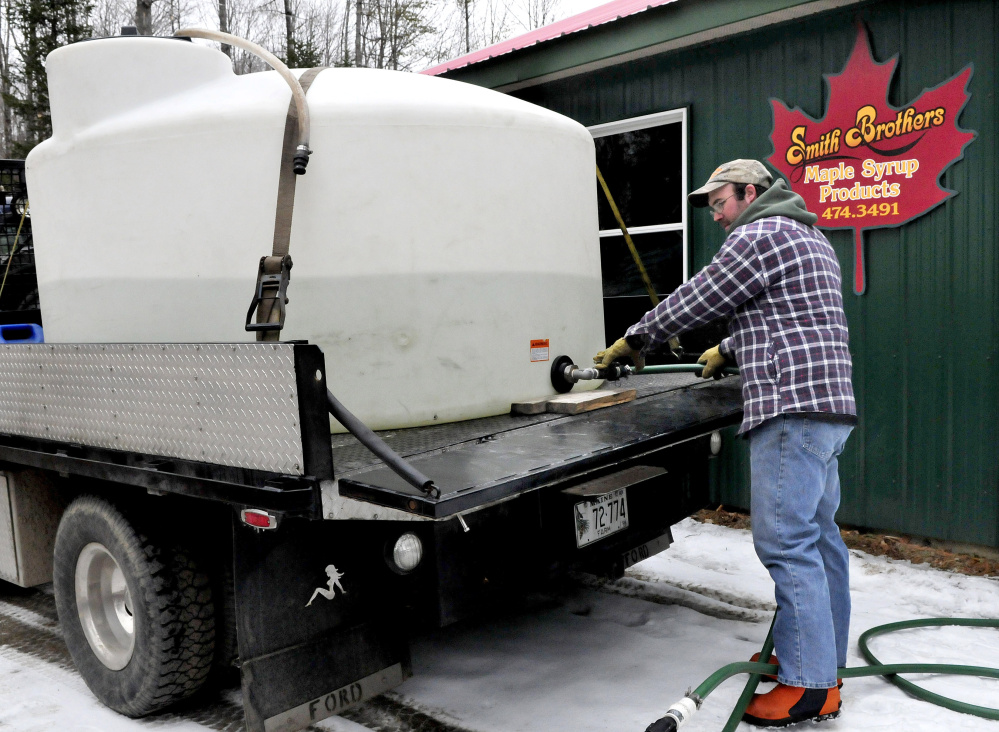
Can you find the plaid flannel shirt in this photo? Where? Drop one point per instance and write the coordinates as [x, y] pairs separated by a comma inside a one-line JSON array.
[[780, 281]]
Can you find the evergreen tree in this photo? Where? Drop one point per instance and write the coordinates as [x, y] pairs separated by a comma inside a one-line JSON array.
[[304, 54], [301, 50], [42, 26]]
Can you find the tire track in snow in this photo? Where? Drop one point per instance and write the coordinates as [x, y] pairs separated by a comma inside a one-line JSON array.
[[29, 625], [662, 593], [29, 617], [33, 639], [37, 600], [723, 596]]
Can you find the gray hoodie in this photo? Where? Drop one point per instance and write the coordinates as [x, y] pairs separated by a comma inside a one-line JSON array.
[[776, 201]]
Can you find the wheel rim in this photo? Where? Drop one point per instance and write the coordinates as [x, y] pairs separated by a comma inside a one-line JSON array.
[[105, 606]]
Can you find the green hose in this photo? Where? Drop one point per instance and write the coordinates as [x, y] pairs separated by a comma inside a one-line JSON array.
[[889, 671], [752, 682], [919, 692], [683, 368]]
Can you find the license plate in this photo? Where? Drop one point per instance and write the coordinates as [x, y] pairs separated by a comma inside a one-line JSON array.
[[600, 516]]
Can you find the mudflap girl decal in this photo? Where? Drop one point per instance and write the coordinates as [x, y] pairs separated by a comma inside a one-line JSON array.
[[334, 581]]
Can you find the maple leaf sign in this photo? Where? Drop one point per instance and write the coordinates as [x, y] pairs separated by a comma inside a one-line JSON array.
[[867, 164]]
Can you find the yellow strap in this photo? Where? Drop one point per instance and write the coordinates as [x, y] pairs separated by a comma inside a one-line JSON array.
[[17, 238], [627, 238], [674, 343]]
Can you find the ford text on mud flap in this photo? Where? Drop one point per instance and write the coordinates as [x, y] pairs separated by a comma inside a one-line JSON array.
[[219, 460], [336, 701]]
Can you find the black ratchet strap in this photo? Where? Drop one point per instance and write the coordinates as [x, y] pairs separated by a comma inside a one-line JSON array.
[[273, 273]]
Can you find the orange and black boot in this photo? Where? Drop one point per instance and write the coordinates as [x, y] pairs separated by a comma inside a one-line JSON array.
[[786, 705], [773, 660]]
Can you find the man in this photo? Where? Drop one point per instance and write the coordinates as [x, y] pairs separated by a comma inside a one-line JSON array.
[[778, 279]]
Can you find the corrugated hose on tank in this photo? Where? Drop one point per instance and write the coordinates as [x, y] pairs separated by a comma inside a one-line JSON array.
[[373, 442]]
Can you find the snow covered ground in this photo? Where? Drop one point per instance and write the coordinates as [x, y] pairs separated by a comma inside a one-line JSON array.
[[611, 657]]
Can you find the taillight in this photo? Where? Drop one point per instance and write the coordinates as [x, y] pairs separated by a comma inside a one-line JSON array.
[[258, 519]]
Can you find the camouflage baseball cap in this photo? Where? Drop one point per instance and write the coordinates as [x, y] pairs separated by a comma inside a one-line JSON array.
[[735, 171]]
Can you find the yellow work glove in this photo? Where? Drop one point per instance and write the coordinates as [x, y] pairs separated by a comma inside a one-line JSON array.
[[713, 362], [620, 349]]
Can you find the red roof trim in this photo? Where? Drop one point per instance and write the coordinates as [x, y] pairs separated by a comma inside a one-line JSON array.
[[595, 16]]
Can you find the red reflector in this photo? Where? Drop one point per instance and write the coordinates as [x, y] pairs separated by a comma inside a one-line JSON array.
[[258, 519]]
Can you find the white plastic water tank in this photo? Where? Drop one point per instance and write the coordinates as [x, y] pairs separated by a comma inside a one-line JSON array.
[[440, 231]]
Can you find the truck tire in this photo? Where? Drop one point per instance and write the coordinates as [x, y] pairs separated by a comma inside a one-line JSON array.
[[136, 612]]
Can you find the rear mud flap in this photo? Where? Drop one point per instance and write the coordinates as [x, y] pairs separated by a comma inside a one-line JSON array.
[[274, 687], [313, 638]]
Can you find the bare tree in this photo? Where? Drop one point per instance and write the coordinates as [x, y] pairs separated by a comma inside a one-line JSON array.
[[289, 33], [489, 22], [249, 20], [144, 17], [288, 29], [6, 49], [466, 6], [345, 30], [322, 28], [531, 14], [359, 23], [38, 28], [400, 27], [172, 15], [224, 26], [109, 16], [494, 24]]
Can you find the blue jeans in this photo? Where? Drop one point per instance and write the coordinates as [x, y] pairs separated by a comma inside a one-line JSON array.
[[795, 496]]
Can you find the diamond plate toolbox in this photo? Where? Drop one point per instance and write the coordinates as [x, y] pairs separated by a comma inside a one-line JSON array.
[[222, 403]]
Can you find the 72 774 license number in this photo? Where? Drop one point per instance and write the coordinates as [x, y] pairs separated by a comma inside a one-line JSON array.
[[600, 517]]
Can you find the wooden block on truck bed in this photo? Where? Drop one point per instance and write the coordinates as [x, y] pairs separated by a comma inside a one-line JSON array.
[[530, 406], [587, 400]]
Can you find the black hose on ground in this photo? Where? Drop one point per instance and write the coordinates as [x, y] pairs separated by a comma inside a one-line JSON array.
[[377, 445]]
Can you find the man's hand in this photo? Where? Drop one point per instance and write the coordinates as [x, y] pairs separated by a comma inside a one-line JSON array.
[[713, 362], [620, 349]]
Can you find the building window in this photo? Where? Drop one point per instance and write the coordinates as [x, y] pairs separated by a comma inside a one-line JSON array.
[[644, 162]]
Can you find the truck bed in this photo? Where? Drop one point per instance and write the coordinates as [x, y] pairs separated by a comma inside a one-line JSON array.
[[247, 424], [480, 461]]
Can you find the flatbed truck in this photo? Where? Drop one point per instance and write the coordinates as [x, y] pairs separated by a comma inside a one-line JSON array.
[[194, 515]]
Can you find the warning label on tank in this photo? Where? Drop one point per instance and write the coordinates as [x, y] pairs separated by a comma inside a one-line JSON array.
[[539, 350]]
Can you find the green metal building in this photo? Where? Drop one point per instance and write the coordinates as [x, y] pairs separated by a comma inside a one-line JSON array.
[[676, 87]]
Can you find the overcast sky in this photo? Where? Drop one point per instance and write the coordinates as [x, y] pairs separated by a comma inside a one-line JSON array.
[[571, 7]]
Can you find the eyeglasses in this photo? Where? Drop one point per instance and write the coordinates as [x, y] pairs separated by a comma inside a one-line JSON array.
[[717, 206]]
